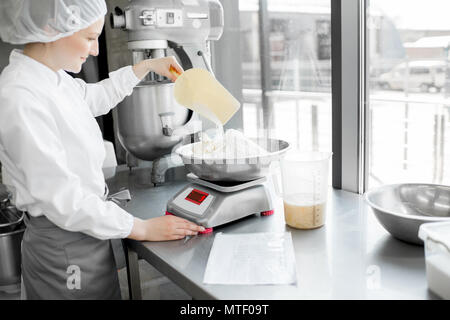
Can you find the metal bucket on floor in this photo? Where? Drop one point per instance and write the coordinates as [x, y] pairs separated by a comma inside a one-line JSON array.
[[11, 234]]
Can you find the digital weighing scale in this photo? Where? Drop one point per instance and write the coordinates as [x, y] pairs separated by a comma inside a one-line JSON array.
[[212, 204]]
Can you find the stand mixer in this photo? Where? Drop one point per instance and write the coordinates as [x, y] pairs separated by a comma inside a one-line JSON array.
[[149, 122]]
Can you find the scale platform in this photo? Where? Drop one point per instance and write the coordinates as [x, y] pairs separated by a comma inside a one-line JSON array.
[[212, 204]]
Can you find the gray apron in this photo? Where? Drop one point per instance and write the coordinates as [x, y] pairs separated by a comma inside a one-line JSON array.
[[60, 264]]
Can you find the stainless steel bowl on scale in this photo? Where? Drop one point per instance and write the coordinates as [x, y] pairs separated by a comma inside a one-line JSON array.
[[241, 169], [225, 190]]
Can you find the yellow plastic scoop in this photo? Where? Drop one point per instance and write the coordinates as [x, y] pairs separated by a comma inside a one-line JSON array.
[[199, 91]]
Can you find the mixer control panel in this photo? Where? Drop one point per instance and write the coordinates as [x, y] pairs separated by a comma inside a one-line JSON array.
[[162, 18], [148, 17]]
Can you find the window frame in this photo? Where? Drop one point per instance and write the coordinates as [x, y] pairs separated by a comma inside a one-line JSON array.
[[349, 95]]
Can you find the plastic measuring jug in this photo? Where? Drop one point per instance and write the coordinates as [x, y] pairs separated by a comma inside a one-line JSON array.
[[304, 181], [199, 91]]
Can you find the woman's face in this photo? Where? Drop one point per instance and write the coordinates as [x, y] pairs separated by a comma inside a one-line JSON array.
[[71, 52]]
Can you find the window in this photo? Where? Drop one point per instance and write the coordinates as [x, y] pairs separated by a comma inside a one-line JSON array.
[[287, 77], [409, 88]]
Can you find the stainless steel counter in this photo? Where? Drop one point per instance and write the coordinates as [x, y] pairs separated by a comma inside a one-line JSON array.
[[351, 257]]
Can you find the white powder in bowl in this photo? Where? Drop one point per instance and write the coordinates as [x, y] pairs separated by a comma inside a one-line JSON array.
[[231, 145]]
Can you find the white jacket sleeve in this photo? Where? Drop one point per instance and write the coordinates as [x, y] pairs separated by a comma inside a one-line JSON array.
[[106, 94], [29, 136]]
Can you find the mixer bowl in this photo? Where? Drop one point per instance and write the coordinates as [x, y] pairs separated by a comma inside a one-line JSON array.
[[140, 129], [402, 208], [241, 169]]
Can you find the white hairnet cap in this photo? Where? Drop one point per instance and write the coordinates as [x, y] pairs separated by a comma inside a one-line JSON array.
[[24, 21]]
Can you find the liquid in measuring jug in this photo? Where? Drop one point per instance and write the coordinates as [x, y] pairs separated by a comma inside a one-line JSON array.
[[302, 212]]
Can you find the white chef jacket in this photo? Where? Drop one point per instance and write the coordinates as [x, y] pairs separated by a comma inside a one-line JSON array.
[[51, 146]]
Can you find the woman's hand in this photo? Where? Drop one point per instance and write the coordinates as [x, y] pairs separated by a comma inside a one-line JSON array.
[[163, 228], [161, 66]]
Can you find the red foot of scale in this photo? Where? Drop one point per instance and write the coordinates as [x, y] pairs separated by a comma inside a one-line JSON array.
[[267, 213], [207, 230]]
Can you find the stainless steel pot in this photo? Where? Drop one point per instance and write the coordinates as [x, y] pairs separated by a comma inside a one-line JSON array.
[[11, 234], [10, 252], [10, 219]]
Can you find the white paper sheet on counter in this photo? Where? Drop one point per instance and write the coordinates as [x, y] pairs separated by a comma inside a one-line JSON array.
[[251, 259]]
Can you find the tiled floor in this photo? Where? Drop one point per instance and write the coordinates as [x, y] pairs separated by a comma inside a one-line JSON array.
[[154, 286]]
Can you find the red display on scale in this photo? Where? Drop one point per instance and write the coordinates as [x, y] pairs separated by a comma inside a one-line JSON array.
[[197, 196]]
